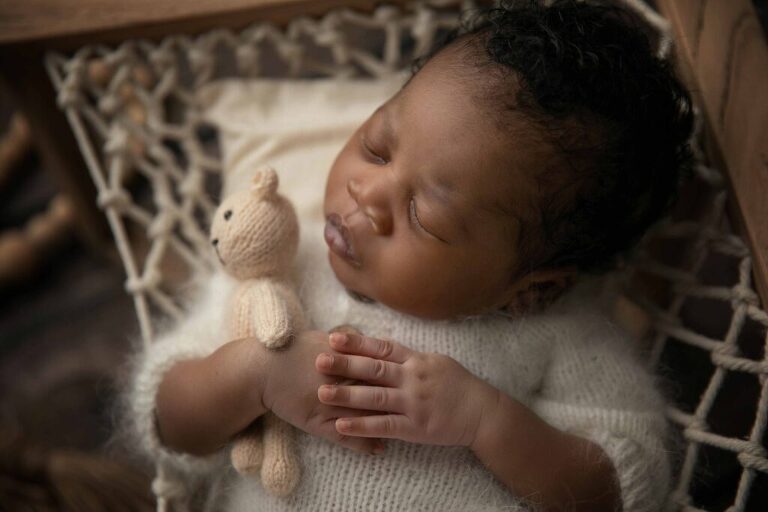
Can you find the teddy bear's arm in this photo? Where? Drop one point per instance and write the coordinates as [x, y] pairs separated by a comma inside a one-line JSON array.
[[273, 323]]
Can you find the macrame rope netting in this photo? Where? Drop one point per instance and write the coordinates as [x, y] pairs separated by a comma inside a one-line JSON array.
[[155, 165], [709, 234]]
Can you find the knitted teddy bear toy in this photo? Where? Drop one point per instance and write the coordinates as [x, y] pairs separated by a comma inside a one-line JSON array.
[[255, 235]]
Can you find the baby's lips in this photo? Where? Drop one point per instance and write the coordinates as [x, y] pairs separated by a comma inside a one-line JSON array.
[[338, 238]]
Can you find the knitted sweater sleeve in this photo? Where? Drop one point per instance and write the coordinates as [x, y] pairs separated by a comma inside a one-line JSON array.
[[596, 387], [197, 335]]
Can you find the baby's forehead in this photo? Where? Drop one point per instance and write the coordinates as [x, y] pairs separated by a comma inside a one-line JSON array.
[[443, 119], [479, 97]]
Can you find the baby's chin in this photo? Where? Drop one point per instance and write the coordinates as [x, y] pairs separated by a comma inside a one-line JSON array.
[[359, 297], [350, 279], [344, 275], [353, 288]]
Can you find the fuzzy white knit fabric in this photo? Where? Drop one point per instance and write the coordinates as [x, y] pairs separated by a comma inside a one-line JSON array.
[[569, 364]]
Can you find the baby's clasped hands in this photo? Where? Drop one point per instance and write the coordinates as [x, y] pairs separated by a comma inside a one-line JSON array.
[[424, 398]]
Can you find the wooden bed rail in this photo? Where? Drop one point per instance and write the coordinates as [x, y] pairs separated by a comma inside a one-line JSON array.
[[67, 25], [723, 56]]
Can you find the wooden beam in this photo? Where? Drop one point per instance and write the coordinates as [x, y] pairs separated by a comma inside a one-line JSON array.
[[64, 24], [723, 53]]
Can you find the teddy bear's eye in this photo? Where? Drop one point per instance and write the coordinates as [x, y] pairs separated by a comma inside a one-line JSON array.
[[227, 214]]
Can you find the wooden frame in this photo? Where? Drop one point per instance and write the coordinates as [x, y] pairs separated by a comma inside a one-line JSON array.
[[723, 56], [64, 25]]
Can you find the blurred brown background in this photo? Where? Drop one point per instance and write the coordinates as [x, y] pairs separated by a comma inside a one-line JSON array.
[[66, 329]]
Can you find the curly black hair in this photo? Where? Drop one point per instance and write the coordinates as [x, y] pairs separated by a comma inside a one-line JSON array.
[[586, 76]]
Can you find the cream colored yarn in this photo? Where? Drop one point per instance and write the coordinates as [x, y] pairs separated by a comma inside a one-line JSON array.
[[255, 236]]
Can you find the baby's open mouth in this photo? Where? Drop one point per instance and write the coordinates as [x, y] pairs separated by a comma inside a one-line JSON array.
[[338, 239]]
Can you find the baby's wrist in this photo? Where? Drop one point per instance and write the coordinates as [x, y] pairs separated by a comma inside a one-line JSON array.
[[274, 368], [255, 369], [488, 401]]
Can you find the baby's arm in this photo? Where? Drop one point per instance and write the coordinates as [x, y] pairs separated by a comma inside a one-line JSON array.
[[596, 388], [595, 431], [554, 469], [592, 437], [189, 347], [202, 403], [200, 390]]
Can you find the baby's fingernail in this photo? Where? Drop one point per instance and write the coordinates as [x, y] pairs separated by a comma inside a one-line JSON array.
[[338, 338], [325, 360], [327, 392], [343, 425]]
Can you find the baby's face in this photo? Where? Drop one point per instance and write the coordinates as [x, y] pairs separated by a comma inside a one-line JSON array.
[[418, 202]]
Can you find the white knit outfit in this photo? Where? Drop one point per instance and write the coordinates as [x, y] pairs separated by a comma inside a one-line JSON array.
[[569, 364]]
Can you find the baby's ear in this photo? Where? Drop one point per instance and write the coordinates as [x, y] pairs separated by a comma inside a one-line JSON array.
[[538, 289]]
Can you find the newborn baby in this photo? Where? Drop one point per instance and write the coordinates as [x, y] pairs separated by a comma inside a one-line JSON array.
[[460, 219]]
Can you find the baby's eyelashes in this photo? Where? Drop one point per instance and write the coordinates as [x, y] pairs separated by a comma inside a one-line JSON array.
[[376, 155], [413, 216]]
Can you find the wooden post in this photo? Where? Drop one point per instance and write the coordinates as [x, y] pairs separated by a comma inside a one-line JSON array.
[[723, 54], [25, 77]]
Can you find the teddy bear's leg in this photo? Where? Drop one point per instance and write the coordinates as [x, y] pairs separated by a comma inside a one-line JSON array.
[[281, 469], [248, 450]]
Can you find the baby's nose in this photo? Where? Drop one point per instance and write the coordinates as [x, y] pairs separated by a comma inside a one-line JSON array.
[[373, 199], [353, 189], [215, 242], [381, 221]]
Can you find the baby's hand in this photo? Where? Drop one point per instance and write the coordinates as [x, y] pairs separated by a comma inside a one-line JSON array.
[[291, 392], [426, 398]]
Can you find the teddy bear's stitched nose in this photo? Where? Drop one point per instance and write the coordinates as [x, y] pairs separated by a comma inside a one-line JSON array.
[[215, 242]]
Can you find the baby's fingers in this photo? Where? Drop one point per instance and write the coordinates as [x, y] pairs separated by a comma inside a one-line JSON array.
[[390, 426], [370, 446], [372, 398], [374, 371], [372, 347]]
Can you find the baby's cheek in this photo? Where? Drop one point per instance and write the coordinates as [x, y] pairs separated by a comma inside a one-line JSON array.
[[414, 285]]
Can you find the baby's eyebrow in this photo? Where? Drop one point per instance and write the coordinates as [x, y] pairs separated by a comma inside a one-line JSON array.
[[388, 126]]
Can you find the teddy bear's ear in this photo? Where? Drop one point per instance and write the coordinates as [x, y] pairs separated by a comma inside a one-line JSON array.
[[265, 183]]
